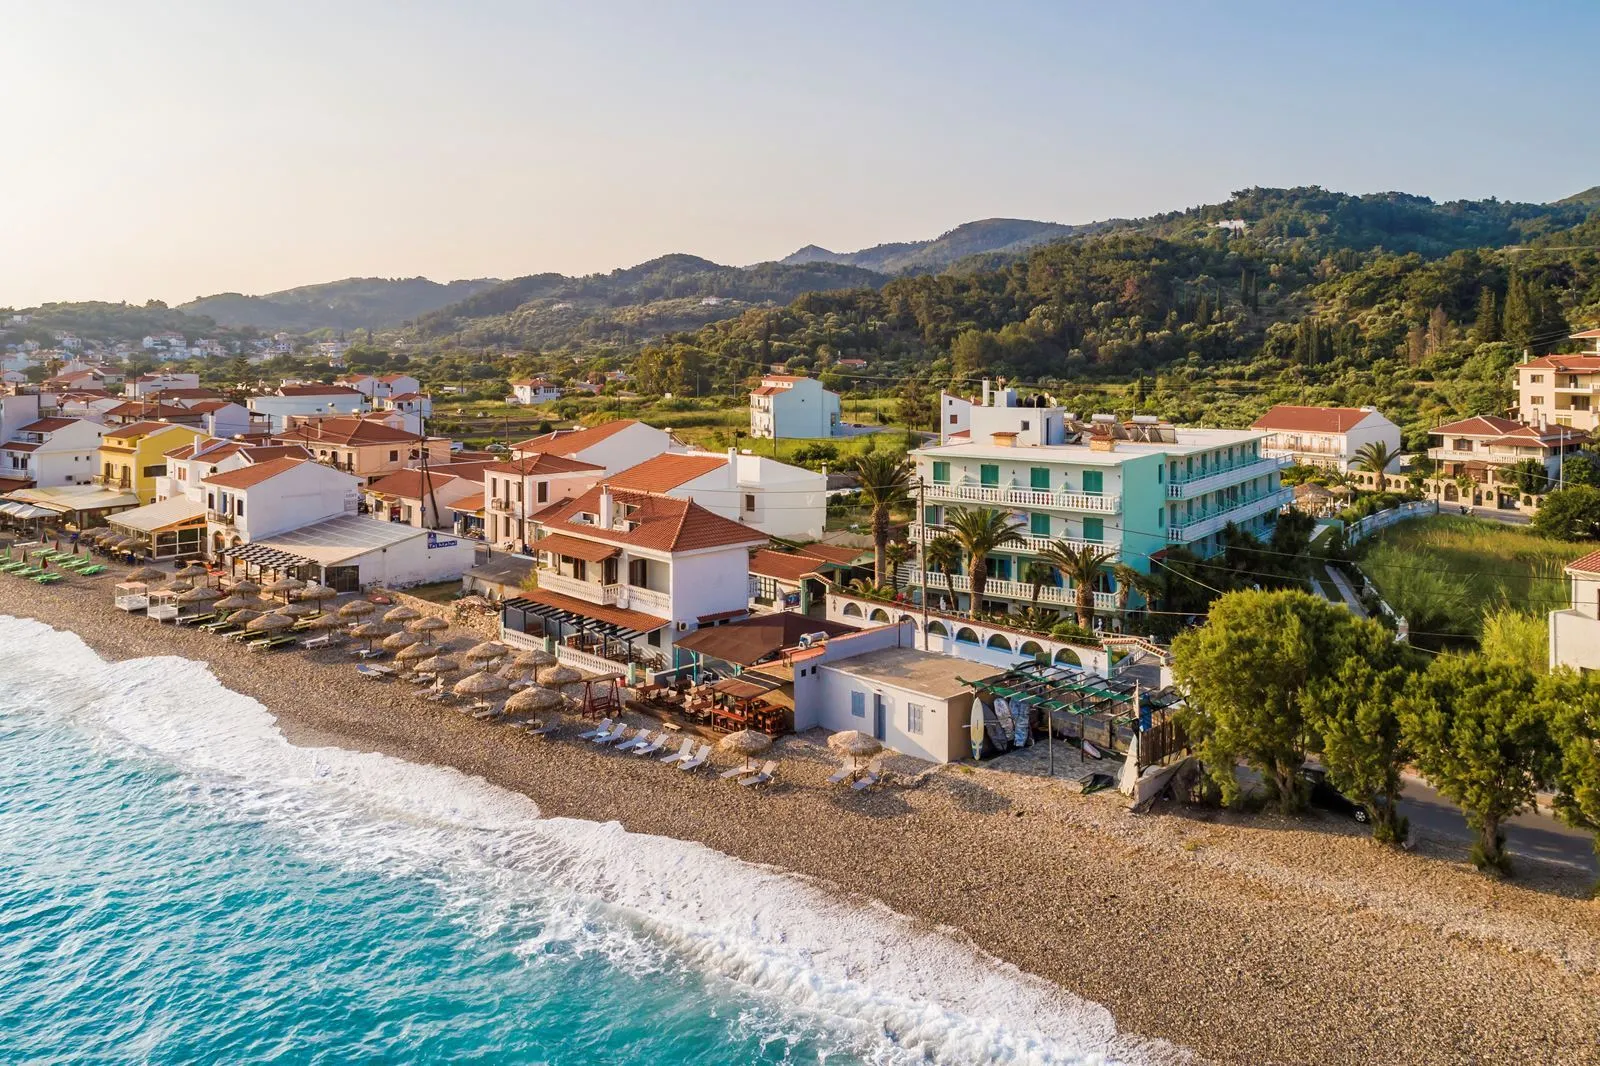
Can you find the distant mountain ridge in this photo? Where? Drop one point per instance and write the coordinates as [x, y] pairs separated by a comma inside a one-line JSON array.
[[989, 236], [351, 303]]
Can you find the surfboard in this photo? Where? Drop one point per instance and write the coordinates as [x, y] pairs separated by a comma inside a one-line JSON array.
[[975, 728]]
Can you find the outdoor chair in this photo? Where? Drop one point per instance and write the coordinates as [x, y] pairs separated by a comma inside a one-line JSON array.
[[640, 739], [373, 673], [600, 730], [273, 643], [841, 775], [682, 754], [768, 771], [746, 767], [662, 739], [871, 777], [699, 759], [617, 732], [536, 728], [48, 579]]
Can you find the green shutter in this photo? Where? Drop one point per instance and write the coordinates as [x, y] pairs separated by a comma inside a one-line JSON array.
[[930, 516], [941, 473], [1094, 482], [1039, 525], [989, 475], [1039, 479], [1094, 530]]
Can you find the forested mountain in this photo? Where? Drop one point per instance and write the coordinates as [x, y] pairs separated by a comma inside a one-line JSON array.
[[673, 292], [354, 303], [99, 321], [1388, 299], [1003, 236]]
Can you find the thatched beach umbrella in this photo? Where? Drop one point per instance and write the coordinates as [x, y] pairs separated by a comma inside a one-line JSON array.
[[402, 613], [146, 574], [202, 594], [558, 675], [745, 742], [244, 615], [284, 585], [271, 622], [325, 621], [412, 654], [370, 631], [438, 664], [428, 625], [400, 641], [235, 602], [245, 587], [357, 609], [533, 700], [195, 569], [533, 659], [316, 592], [487, 652], [855, 744], [299, 610], [481, 683]]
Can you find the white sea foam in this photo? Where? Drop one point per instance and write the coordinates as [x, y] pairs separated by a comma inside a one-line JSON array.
[[896, 992]]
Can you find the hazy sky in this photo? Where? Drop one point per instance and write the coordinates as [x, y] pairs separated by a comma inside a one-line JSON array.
[[169, 149]]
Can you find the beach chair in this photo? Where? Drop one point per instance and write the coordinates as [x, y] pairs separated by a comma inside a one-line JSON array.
[[617, 732], [442, 695], [746, 767], [639, 740], [662, 739], [317, 642], [484, 711], [769, 770], [535, 728], [274, 642], [93, 569], [600, 730], [28, 572], [841, 775], [682, 754], [699, 759], [370, 653], [374, 673], [48, 579], [871, 777]]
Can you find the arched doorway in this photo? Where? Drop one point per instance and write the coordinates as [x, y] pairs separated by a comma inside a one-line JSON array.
[[852, 610], [999, 642]]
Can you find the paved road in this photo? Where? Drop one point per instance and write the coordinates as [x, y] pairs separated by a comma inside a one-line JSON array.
[[1534, 836], [1346, 593]]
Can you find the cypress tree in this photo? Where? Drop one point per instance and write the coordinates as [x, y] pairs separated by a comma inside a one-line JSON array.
[[1487, 328], [1516, 323]]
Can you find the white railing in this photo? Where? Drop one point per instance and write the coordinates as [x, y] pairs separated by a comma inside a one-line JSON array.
[[1451, 454], [1204, 525], [969, 492], [1029, 543], [220, 518], [1369, 525], [649, 601], [583, 660], [1221, 479], [1002, 589], [501, 506], [589, 591]]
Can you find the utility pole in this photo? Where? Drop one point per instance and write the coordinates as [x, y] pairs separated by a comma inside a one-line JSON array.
[[922, 558]]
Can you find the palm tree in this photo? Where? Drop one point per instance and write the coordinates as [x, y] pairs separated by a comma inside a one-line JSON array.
[[943, 555], [885, 485], [1130, 581], [979, 531], [1037, 575], [1081, 565], [1374, 457], [894, 555]]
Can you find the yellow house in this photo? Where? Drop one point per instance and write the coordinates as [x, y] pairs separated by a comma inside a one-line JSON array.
[[133, 456]]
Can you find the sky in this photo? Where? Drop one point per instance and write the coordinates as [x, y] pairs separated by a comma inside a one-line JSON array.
[[171, 149]]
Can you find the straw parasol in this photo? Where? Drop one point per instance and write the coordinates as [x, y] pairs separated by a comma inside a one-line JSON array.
[[145, 574], [533, 659], [236, 602], [481, 683], [438, 664], [270, 623], [325, 621], [412, 653], [245, 587], [284, 585], [400, 641], [357, 609], [194, 569], [370, 631], [856, 744], [745, 742], [428, 625], [299, 610], [243, 615], [487, 652], [203, 594], [558, 675], [316, 592], [533, 700], [402, 613]]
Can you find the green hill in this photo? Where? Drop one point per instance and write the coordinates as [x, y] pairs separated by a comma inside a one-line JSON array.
[[1005, 236], [354, 303]]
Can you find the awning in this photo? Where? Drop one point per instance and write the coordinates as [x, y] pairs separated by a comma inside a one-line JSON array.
[[266, 558], [152, 518], [64, 499], [576, 548], [741, 689], [25, 510], [593, 617]]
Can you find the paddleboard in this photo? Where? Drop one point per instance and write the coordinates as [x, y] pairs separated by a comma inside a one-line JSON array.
[[975, 727]]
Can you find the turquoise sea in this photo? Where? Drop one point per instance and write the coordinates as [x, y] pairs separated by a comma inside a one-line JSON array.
[[179, 884]]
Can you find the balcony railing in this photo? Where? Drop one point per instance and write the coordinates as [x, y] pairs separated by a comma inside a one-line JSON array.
[[1031, 544], [221, 518], [968, 491], [1221, 479], [1001, 589], [589, 591], [500, 506], [650, 601], [113, 481], [1195, 526]]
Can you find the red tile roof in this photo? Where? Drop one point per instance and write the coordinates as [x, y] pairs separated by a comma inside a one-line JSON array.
[[842, 554], [471, 503], [413, 484], [255, 474], [1481, 426], [138, 429], [1311, 419], [783, 377], [661, 523], [261, 453], [19, 446], [1583, 364], [1587, 564], [782, 566], [574, 548], [543, 463], [666, 472], [766, 390], [637, 621], [317, 390], [1588, 334], [347, 431], [187, 394], [567, 441], [147, 409], [48, 425]]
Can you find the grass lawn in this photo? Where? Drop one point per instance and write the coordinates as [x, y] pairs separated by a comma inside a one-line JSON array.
[[1444, 573]]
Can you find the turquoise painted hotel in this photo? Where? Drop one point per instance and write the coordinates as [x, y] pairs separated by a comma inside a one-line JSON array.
[[1133, 488]]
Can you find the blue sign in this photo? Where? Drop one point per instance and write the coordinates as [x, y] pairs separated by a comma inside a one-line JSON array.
[[435, 542]]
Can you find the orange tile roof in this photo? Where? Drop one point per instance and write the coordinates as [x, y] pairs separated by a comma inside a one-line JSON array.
[[1588, 334], [1587, 564], [543, 463], [148, 409], [637, 621], [246, 476], [346, 431], [842, 554], [412, 484], [138, 429], [1585, 364], [317, 390], [471, 503], [661, 523], [567, 441], [48, 425], [260, 453], [784, 377], [1481, 426], [575, 548], [666, 472], [782, 566], [1311, 419]]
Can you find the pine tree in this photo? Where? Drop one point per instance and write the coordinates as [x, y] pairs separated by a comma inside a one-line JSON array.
[[1516, 324], [1487, 328]]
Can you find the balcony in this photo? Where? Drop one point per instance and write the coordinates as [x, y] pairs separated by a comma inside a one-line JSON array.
[[650, 601], [114, 481], [968, 491], [589, 591], [1452, 455], [1031, 544], [501, 506], [1196, 526], [1221, 479], [219, 518], [999, 589]]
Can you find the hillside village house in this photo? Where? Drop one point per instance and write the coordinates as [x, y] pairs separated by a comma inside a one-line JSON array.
[[612, 446], [519, 489], [258, 500], [1132, 489], [1328, 437], [424, 498], [622, 574], [150, 384], [50, 452], [361, 446], [1483, 449], [381, 386], [775, 498], [1562, 390], [1575, 632], [534, 390], [785, 405], [413, 407], [291, 401], [132, 456]]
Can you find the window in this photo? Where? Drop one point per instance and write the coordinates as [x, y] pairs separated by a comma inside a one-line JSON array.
[[1039, 479], [858, 704], [541, 491], [1536, 378], [156, 471], [913, 719], [989, 475], [394, 455], [941, 472], [238, 506], [930, 515], [639, 573], [1039, 525], [749, 501], [653, 638], [1161, 518], [1094, 530], [1094, 482], [1535, 400], [1024, 425]]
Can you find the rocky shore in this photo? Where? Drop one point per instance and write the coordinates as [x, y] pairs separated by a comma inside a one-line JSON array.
[[1247, 940]]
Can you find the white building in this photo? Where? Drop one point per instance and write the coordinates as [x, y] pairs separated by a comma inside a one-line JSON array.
[[612, 446], [1328, 437], [423, 498], [774, 498], [351, 552], [622, 574], [381, 386], [150, 384], [293, 400], [269, 498], [1575, 632], [516, 491], [534, 390], [1562, 390], [50, 452], [785, 405], [1485, 448]]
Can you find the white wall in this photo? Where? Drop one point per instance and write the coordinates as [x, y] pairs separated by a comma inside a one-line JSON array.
[[626, 447], [808, 695], [802, 410], [302, 496], [790, 501], [955, 415], [709, 582], [1370, 430], [279, 408], [227, 421], [68, 457], [412, 562]]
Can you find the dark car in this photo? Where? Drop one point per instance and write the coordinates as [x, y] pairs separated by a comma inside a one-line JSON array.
[[1321, 794]]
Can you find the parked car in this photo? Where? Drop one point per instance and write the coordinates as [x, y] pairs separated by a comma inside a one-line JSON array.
[[1321, 794]]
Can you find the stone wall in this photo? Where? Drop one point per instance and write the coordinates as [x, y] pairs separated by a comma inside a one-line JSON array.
[[484, 625]]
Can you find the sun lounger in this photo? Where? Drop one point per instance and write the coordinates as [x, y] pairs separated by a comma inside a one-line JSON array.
[[641, 739], [370, 653], [48, 579], [273, 643], [746, 767], [374, 673], [212, 627], [768, 771], [699, 759], [484, 711], [841, 775], [618, 731], [536, 728], [662, 739], [90, 571], [682, 754], [318, 642], [873, 775], [600, 730], [442, 695], [195, 619]]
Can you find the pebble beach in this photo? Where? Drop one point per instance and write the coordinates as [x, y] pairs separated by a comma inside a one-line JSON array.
[[1241, 939]]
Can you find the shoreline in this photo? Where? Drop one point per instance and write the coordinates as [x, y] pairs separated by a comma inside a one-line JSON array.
[[1257, 940]]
